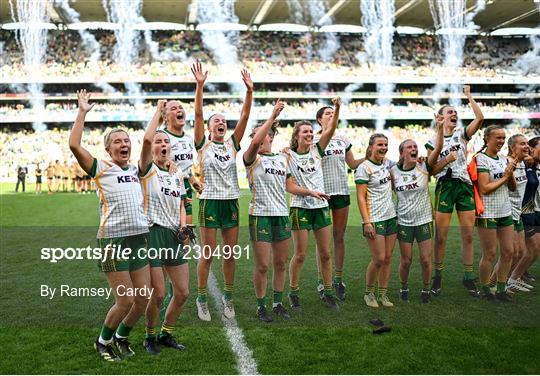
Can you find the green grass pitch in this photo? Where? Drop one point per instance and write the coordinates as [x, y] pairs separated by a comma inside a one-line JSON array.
[[455, 334]]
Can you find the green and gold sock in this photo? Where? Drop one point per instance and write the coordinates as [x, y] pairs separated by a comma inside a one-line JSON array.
[[328, 290], [261, 302], [486, 289], [382, 291], [439, 266], [123, 331], [166, 329], [150, 332], [468, 272], [404, 285], [278, 297], [339, 277], [370, 289], [202, 294], [294, 290], [501, 287], [228, 291]]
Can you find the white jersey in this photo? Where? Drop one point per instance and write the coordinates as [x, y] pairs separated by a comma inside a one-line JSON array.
[[412, 190], [516, 197], [267, 177], [120, 200], [217, 167], [456, 142], [334, 165], [497, 203], [379, 189], [182, 148], [306, 169], [163, 194]]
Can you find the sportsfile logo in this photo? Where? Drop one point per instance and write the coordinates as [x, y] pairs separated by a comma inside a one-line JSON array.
[[119, 253]]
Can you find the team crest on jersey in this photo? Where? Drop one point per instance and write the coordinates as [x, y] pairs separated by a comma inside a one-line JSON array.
[[234, 216]]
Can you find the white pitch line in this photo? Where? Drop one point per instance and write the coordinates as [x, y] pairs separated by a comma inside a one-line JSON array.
[[244, 356]]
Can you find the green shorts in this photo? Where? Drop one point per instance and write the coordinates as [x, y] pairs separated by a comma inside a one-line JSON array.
[[309, 219], [269, 229], [218, 213], [123, 253], [494, 223], [189, 196], [163, 248], [339, 201], [453, 192], [386, 228], [407, 234], [518, 225]]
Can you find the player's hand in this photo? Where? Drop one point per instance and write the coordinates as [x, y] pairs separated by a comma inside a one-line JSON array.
[[336, 101], [452, 157], [197, 185], [467, 90], [83, 97], [278, 107], [369, 231], [171, 166], [160, 108], [198, 73], [319, 195], [439, 120], [421, 159], [510, 168], [247, 79], [529, 160]]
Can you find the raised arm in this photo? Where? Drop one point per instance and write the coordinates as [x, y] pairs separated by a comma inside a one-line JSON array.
[[82, 155], [327, 134], [246, 108], [351, 161], [146, 149], [475, 125], [258, 138], [200, 77], [433, 155]]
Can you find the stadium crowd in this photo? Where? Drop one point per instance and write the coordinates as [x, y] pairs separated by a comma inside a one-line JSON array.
[[295, 110], [29, 148], [262, 52]]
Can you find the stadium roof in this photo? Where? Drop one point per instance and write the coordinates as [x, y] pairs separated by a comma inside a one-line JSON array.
[[416, 13]]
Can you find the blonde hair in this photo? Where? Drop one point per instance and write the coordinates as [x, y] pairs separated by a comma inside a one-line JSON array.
[[512, 142], [107, 139], [487, 133], [400, 149], [294, 138], [372, 139]]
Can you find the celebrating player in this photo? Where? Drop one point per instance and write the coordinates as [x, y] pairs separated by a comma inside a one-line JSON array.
[[374, 193], [410, 179], [123, 225], [337, 157], [218, 205], [530, 214], [310, 213], [454, 189], [164, 194], [495, 175], [518, 151]]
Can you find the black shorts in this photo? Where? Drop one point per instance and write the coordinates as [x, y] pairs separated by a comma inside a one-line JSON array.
[[38, 179], [531, 223]]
